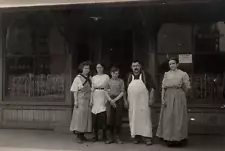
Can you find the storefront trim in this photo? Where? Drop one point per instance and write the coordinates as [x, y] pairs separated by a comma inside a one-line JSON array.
[[28, 3], [39, 3]]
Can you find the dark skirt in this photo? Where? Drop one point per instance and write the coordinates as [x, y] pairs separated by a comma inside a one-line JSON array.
[[99, 120], [114, 115]]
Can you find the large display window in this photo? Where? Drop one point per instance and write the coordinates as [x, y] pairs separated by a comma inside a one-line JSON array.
[[34, 58], [204, 63]]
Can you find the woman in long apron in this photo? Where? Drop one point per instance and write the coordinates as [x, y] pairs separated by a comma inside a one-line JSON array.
[[173, 123], [81, 122]]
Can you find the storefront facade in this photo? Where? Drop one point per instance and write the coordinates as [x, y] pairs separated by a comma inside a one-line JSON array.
[[41, 48]]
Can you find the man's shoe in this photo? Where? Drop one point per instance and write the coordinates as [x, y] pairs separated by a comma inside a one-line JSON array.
[[109, 141], [118, 141], [136, 141], [95, 139], [148, 142]]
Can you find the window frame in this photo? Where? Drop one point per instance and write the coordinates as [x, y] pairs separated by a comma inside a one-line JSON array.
[[34, 99], [204, 101]]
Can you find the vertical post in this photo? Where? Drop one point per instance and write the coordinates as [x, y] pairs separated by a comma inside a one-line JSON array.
[[134, 45], [1, 67], [68, 75], [98, 39], [192, 76], [99, 45], [1, 58], [151, 36], [152, 67], [152, 56]]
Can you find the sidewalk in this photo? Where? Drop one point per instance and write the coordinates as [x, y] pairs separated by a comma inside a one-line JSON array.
[[35, 140]]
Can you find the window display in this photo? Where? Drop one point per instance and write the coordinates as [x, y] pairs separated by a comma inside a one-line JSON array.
[[34, 59], [205, 65]]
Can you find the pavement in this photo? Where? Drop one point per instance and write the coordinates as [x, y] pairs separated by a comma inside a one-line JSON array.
[[41, 140]]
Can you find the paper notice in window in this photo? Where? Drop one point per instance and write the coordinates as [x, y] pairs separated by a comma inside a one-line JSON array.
[[185, 58]]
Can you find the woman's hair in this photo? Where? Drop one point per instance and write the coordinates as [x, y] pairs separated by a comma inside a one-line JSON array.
[[83, 64], [114, 69], [100, 63], [175, 59]]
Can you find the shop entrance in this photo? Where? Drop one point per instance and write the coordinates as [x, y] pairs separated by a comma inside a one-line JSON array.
[[117, 50]]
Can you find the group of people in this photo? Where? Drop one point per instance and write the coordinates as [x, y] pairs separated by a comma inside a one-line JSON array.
[[99, 103]]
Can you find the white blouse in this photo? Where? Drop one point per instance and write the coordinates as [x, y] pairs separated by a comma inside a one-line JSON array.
[[99, 86], [77, 84]]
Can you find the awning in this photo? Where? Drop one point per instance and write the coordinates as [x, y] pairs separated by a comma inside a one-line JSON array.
[[31, 3]]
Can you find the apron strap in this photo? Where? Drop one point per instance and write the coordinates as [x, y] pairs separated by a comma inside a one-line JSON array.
[[140, 77], [144, 78], [87, 79], [132, 77]]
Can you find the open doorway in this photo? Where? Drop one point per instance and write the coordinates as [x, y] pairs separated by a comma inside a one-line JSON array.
[[81, 51], [118, 50]]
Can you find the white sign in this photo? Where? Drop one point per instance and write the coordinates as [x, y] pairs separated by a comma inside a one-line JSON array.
[[185, 58]]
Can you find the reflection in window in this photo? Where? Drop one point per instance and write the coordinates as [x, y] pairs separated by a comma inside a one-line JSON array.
[[35, 58], [208, 78], [19, 37], [207, 72], [209, 64], [206, 38]]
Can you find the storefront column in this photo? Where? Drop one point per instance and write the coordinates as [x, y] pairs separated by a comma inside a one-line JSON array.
[[1, 67], [134, 54], [1, 58], [152, 69], [152, 56], [68, 75]]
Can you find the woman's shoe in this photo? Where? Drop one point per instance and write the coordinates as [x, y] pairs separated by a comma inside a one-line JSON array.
[[169, 143], [79, 140], [184, 142], [83, 137]]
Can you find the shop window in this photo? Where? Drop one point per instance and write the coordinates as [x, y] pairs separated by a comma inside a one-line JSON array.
[[206, 38], [175, 38], [207, 66], [34, 59]]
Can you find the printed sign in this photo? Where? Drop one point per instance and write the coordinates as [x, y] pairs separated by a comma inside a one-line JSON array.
[[185, 58]]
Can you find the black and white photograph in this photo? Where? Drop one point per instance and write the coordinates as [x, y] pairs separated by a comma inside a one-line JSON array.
[[112, 75]]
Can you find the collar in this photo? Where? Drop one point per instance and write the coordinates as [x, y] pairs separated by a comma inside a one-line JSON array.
[[137, 74]]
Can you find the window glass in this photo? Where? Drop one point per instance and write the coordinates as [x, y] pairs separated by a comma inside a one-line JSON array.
[[207, 68], [35, 59]]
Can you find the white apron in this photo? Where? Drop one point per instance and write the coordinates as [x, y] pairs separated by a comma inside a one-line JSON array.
[[139, 110]]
